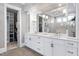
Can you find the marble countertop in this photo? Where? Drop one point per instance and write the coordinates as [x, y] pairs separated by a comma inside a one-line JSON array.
[[56, 36]]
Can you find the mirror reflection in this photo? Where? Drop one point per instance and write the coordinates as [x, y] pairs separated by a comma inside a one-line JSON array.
[[59, 21]]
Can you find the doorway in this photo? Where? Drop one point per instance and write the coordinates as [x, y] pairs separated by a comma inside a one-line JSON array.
[[16, 11], [11, 28]]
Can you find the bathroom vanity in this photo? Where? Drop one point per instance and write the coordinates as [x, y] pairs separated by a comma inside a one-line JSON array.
[[57, 33], [51, 45]]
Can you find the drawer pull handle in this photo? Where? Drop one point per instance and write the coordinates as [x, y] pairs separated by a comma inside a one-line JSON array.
[[39, 37], [51, 45], [70, 43], [38, 48], [38, 42], [70, 52], [29, 38]]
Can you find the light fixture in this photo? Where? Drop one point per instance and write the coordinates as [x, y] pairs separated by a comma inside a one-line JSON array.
[[43, 16], [64, 11], [59, 4], [46, 17]]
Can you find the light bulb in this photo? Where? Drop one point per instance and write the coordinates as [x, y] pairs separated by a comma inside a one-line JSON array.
[[59, 4]]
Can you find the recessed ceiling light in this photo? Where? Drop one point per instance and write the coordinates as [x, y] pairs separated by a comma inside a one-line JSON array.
[[59, 4]]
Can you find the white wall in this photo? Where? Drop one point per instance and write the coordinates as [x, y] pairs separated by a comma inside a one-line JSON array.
[[24, 24], [77, 20], [2, 23], [2, 29]]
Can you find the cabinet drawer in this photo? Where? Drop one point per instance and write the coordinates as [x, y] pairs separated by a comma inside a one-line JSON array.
[[39, 49], [28, 40], [70, 51], [58, 42], [28, 44], [78, 49], [70, 44], [38, 41]]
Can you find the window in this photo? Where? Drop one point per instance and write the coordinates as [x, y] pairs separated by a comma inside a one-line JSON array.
[[64, 19], [59, 20], [70, 17]]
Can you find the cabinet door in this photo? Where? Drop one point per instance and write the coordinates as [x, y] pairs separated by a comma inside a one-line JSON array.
[[48, 47], [70, 51], [58, 48], [78, 49], [28, 41], [39, 49]]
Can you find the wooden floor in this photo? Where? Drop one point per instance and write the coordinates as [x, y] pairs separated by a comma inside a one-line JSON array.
[[24, 51], [11, 45]]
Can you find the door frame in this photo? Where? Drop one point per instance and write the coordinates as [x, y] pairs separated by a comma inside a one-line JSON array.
[[19, 31]]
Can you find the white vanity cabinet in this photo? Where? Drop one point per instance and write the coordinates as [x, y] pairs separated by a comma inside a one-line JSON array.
[[71, 48], [38, 44], [35, 43], [28, 41], [48, 47], [52, 46], [78, 49], [58, 48]]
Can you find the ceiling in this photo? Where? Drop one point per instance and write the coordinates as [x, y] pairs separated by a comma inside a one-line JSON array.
[[43, 7], [46, 8]]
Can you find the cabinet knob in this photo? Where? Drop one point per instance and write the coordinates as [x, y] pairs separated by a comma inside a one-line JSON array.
[[70, 43], [38, 42], [39, 37], [51, 45], [70, 52], [29, 38]]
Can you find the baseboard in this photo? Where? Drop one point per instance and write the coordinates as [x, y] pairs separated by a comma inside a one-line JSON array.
[[2, 50]]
